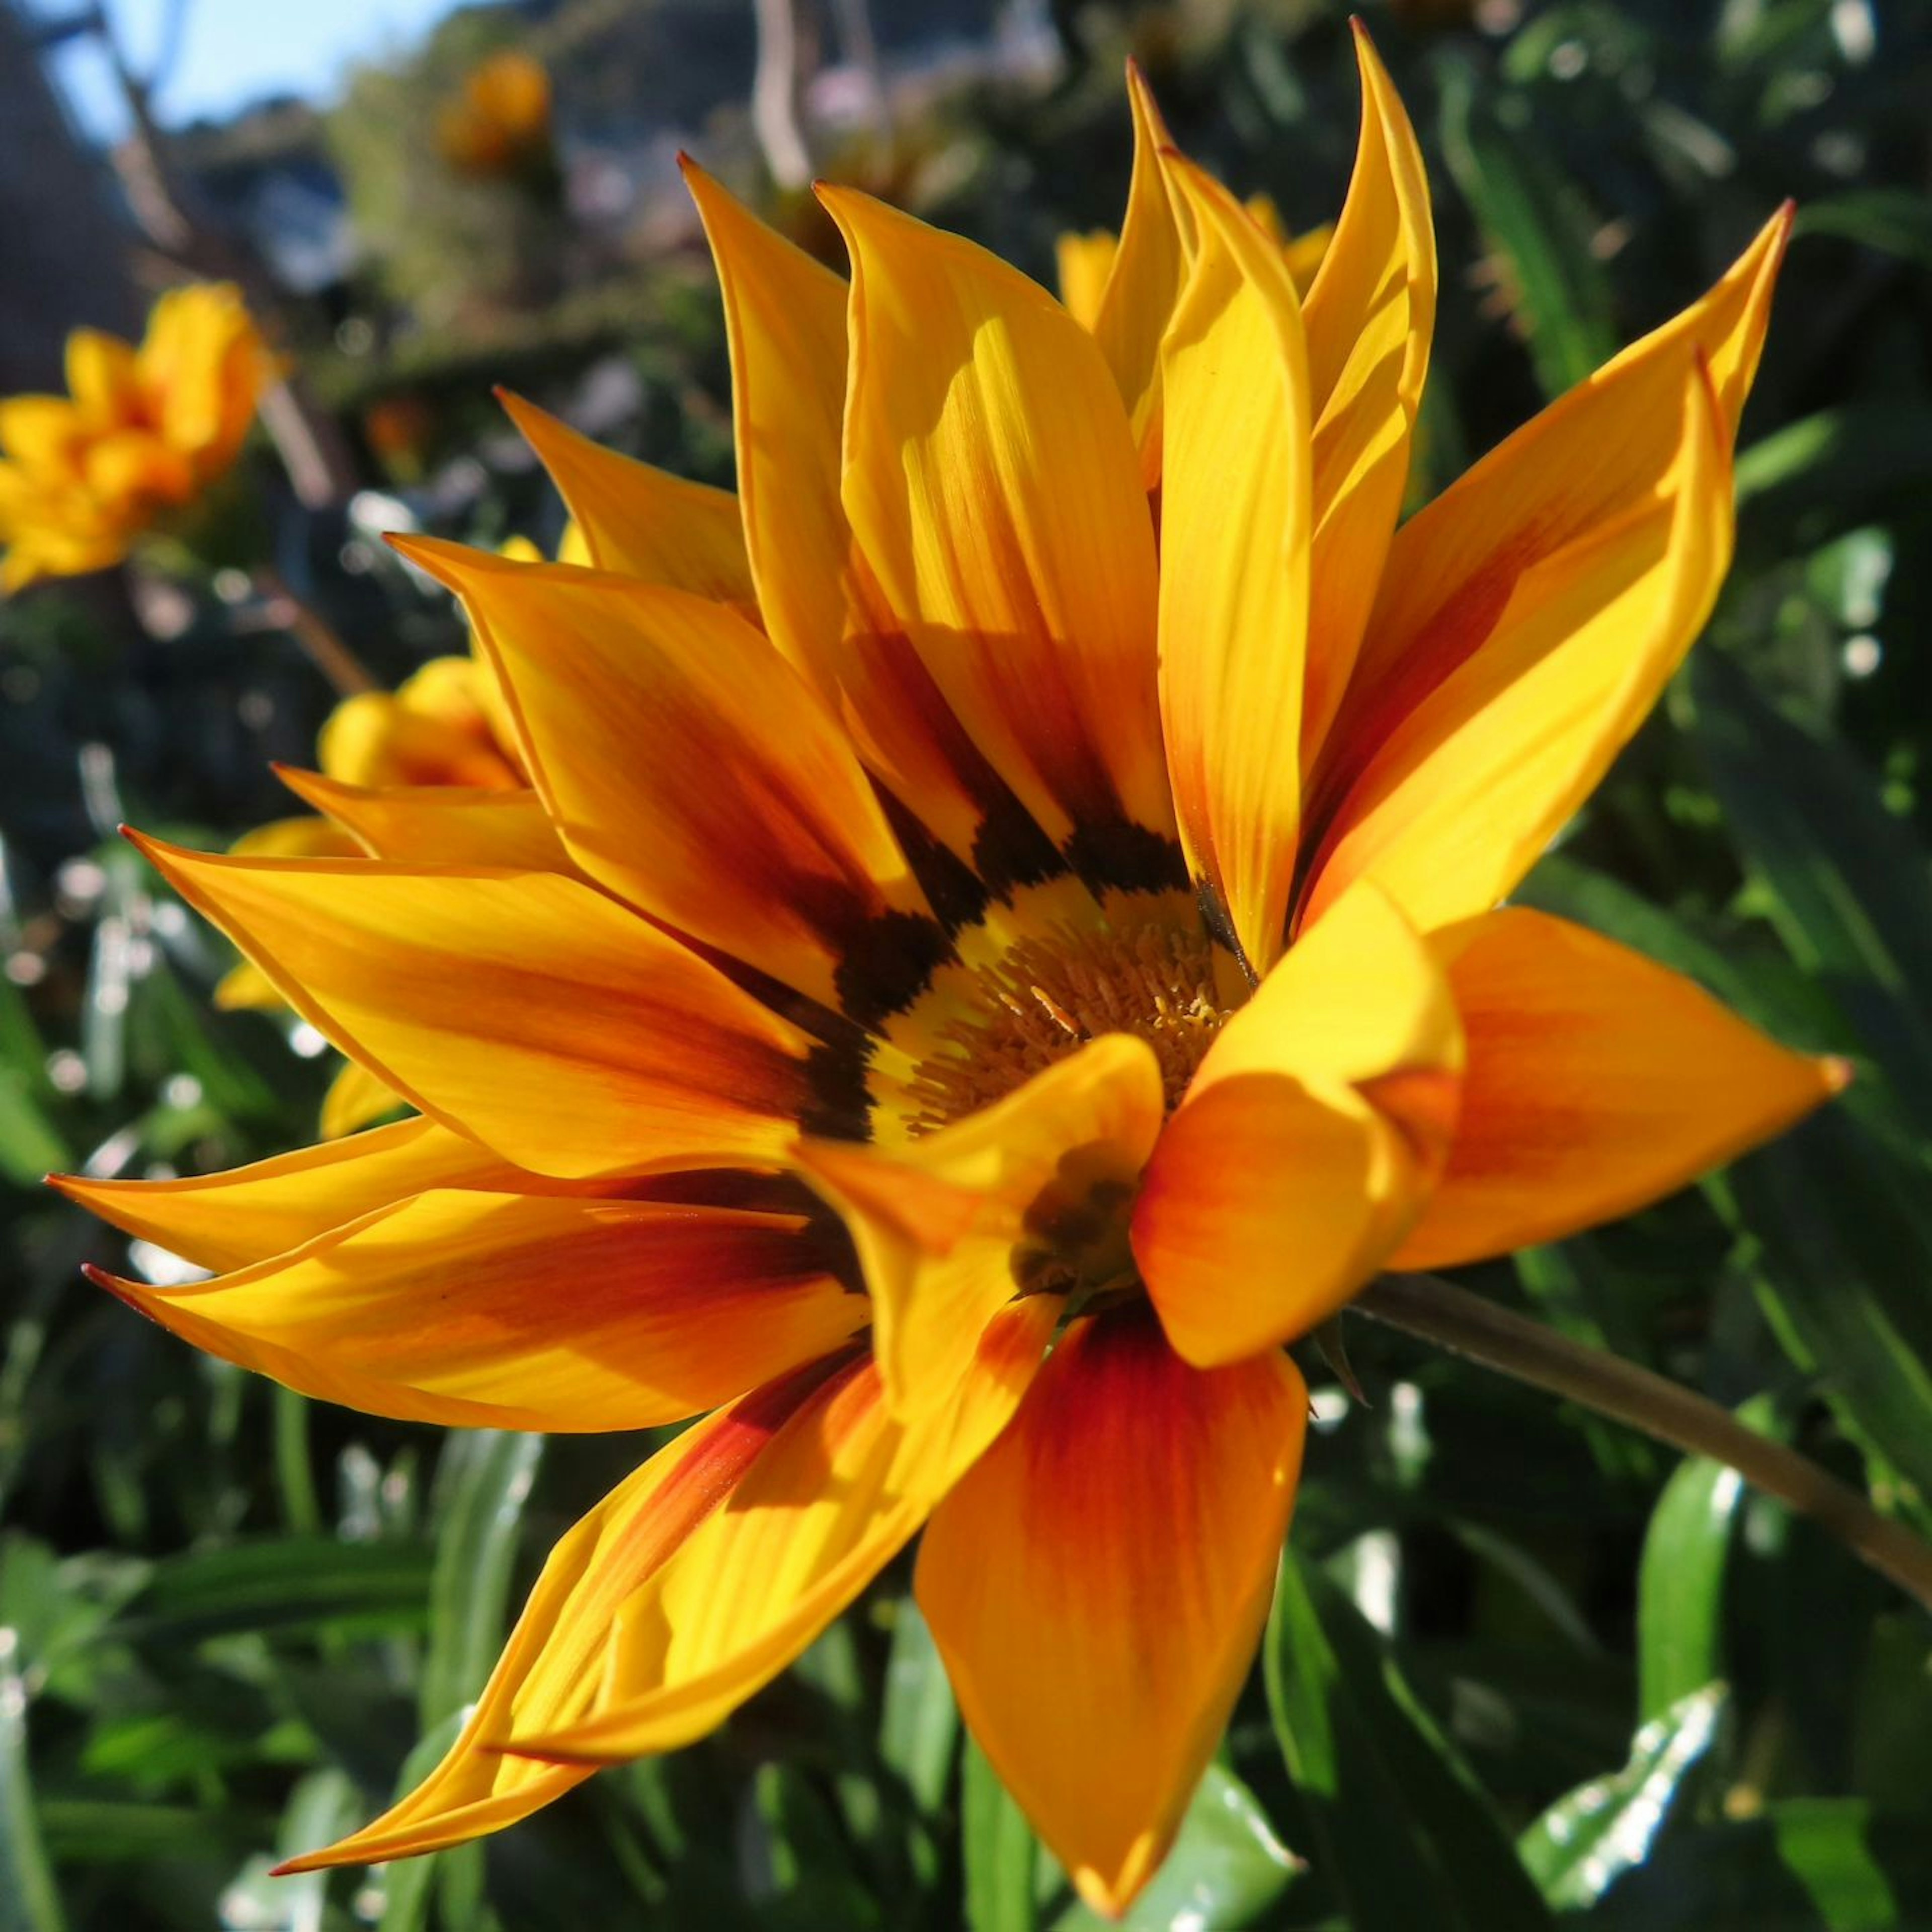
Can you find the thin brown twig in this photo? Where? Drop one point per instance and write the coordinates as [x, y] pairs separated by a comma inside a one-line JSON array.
[[324, 648], [1466, 1324]]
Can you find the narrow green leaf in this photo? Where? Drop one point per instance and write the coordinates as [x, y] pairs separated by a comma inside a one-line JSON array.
[[294, 1468], [409, 1884], [1001, 1855], [29, 1902], [309, 1582], [919, 1726], [320, 1809], [1838, 1236], [1895, 221], [1848, 886], [1824, 473], [1538, 224], [1806, 1865], [1403, 1831], [483, 1483], [1588, 1840], [1680, 1590]]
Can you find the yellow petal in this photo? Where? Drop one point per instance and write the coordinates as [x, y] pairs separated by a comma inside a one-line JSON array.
[[375, 738], [1454, 568], [992, 482], [555, 1667], [950, 1227], [437, 825], [1467, 790], [1371, 313], [842, 1489], [356, 1099], [643, 706], [102, 376], [639, 520], [202, 365], [1234, 564], [1084, 263], [1306, 1146], [1098, 1582], [245, 988], [549, 1022], [448, 1308], [295, 838], [785, 317], [1597, 1082], [230, 1220], [43, 434], [1305, 255], [134, 470], [1145, 281]]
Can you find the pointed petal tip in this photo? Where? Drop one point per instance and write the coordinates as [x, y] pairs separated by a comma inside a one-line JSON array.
[[1838, 1073], [123, 1291], [449, 563]]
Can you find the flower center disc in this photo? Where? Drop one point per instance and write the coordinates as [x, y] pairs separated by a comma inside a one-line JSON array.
[[1027, 998]]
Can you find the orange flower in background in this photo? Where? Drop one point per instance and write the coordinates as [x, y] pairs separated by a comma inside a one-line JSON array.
[[140, 437], [500, 121], [1000, 937]]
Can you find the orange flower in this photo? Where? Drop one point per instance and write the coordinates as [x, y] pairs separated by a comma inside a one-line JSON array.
[[499, 123], [143, 435], [1053, 820]]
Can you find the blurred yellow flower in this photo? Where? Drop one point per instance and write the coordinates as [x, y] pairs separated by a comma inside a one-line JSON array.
[[499, 123], [1002, 934], [1085, 261], [140, 436]]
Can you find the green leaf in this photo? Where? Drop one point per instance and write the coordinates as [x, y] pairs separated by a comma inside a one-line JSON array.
[[483, 1483], [29, 1902], [919, 1726], [1825, 472], [1806, 1865], [1001, 1855], [1227, 1868], [320, 1809], [1585, 1841], [1403, 1832], [294, 1582], [1538, 224], [1680, 1587], [1895, 221], [1846, 884], [1838, 1237], [31, 1145]]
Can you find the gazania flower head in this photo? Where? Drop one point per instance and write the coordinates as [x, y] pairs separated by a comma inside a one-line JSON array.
[[1017, 946], [142, 434], [499, 122]]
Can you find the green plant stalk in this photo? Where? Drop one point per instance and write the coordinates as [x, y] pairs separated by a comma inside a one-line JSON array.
[[1436, 1311]]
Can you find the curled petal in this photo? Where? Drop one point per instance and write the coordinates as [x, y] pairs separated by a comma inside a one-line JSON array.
[[1308, 1142]]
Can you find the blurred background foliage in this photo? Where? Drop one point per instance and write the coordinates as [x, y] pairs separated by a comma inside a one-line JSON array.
[[1524, 1667]]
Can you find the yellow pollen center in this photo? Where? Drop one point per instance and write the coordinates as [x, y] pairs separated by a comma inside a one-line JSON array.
[[1048, 995]]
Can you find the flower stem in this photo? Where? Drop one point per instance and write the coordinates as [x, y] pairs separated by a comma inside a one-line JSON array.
[[1466, 1324], [317, 637]]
